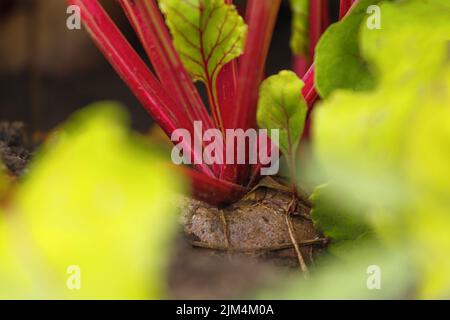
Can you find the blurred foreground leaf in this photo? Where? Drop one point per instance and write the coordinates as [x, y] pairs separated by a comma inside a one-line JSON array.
[[370, 273], [341, 222], [389, 149], [97, 210]]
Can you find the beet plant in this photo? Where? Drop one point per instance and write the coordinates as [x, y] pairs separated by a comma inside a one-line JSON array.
[[208, 41]]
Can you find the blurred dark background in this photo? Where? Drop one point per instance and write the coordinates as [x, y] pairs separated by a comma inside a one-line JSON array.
[[48, 71]]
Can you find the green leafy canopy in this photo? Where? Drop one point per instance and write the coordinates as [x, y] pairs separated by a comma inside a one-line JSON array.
[[207, 34]]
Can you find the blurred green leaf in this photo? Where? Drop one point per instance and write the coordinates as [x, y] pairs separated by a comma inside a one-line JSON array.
[[338, 61], [300, 26], [97, 201], [427, 216], [341, 222], [359, 135], [16, 278], [281, 106], [348, 279], [419, 34], [390, 148]]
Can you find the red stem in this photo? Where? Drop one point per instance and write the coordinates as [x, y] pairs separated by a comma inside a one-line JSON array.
[[318, 22], [325, 15], [134, 72], [212, 190], [315, 25], [301, 64], [261, 17], [345, 5], [149, 25], [309, 90], [226, 90]]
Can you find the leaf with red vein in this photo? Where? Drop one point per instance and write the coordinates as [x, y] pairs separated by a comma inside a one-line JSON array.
[[207, 35]]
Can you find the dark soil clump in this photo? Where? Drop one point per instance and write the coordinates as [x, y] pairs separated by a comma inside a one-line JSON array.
[[15, 150]]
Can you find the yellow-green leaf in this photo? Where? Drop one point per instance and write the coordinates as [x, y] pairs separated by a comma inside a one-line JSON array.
[[392, 145], [97, 209], [354, 277], [281, 106], [362, 133]]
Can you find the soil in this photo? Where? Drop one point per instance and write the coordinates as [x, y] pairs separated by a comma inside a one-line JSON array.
[[15, 150]]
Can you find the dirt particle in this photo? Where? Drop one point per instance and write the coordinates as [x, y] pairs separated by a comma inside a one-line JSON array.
[[15, 151]]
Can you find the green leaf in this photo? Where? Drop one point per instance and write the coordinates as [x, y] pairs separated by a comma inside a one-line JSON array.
[[281, 106], [342, 222], [347, 279], [390, 146], [338, 61], [300, 26], [207, 34], [16, 278], [97, 199], [361, 137], [427, 216], [397, 32]]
